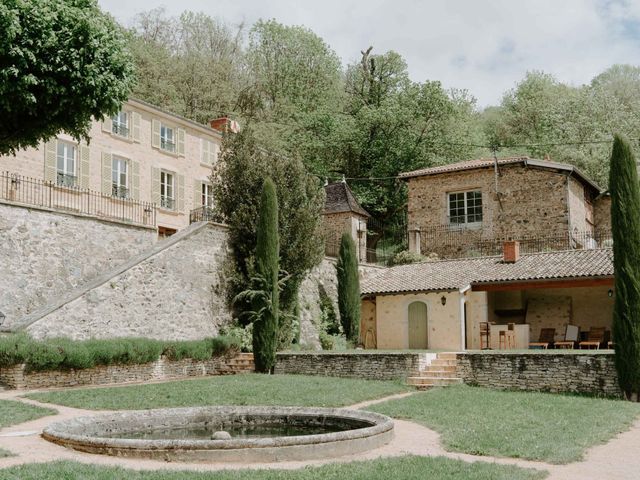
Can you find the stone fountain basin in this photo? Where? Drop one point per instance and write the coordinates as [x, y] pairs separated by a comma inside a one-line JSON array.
[[106, 434]]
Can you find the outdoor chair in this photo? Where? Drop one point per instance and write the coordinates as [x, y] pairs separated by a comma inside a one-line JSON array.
[[485, 336], [571, 335], [595, 338], [547, 336]]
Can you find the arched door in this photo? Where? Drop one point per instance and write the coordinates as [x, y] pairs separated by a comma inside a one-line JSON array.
[[418, 333]]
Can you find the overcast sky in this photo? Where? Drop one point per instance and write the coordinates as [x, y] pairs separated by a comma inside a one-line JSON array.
[[484, 46]]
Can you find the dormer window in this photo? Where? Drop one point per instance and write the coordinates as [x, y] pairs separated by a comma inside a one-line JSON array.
[[120, 124], [465, 208]]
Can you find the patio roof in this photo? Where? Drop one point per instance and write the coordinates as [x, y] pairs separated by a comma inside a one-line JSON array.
[[447, 275]]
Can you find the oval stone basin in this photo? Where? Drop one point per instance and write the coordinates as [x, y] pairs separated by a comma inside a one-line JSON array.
[[257, 434]]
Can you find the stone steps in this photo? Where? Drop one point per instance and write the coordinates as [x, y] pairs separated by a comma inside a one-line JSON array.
[[241, 363], [441, 372]]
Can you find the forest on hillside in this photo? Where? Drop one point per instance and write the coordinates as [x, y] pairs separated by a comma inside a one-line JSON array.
[[369, 120]]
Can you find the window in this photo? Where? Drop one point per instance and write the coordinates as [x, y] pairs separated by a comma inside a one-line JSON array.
[[119, 178], [207, 195], [120, 124], [66, 164], [208, 152], [166, 190], [465, 208], [167, 138]]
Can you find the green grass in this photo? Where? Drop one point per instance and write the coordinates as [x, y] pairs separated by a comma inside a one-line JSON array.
[[403, 468], [536, 426], [13, 413], [246, 389]]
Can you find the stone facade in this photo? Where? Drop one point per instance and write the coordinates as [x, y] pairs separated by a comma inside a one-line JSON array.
[[18, 377], [590, 373], [172, 293], [602, 212], [45, 254], [335, 224], [369, 366], [532, 202]]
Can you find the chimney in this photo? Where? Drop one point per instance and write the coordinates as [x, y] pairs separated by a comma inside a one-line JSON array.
[[511, 251], [224, 124]]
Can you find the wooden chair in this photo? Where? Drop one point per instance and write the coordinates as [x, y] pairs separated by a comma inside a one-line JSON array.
[[547, 336], [571, 335], [485, 336], [595, 338]]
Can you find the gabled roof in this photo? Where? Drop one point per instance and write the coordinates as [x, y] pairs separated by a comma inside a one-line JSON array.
[[490, 162], [340, 199], [460, 273]]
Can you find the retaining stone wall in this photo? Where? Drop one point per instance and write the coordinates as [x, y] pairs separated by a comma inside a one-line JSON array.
[[369, 366], [17, 377], [591, 373]]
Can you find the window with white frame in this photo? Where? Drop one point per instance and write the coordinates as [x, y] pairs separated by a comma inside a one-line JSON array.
[[465, 208], [207, 195], [167, 138], [66, 159], [208, 152], [119, 177], [167, 199], [120, 124]]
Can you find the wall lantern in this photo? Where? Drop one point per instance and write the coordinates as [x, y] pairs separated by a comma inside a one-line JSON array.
[[443, 300], [610, 293]]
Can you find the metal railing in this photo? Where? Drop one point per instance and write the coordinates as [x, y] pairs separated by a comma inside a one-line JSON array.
[[167, 145], [167, 202], [204, 214], [66, 180], [120, 129], [119, 191], [41, 193]]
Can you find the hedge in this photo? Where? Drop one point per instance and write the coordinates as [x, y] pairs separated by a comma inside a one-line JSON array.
[[64, 353]]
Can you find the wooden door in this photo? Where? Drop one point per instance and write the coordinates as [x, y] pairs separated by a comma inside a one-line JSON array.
[[418, 333]]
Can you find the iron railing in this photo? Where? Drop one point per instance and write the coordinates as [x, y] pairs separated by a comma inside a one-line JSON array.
[[120, 129], [167, 202], [41, 193], [66, 180], [167, 145], [204, 214], [119, 191]]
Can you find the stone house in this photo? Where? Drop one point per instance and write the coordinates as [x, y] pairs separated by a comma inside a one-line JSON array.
[[469, 208], [139, 157]]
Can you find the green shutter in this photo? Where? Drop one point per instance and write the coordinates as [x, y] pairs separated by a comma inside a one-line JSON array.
[[85, 161], [155, 133], [106, 124], [50, 152], [155, 185], [180, 196], [135, 126], [197, 194], [181, 134], [135, 179], [106, 173]]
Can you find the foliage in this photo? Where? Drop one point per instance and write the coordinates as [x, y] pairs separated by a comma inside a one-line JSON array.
[[266, 307], [237, 184], [407, 467], [62, 63], [349, 288], [239, 335], [542, 426], [63, 353], [625, 226], [246, 389], [405, 257]]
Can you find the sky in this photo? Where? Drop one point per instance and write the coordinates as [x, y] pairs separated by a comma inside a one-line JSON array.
[[483, 46]]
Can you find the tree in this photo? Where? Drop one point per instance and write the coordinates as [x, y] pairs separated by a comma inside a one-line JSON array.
[[625, 224], [349, 288], [237, 182], [266, 305], [62, 63]]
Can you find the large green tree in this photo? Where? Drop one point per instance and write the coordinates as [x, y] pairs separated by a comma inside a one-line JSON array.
[[62, 63], [625, 223]]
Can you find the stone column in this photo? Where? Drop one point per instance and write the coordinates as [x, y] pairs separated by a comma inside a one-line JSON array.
[[415, 240]]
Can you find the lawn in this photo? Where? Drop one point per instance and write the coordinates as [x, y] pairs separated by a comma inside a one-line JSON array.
[[246, 389], [13, 413], [535, 426], [403, 468]]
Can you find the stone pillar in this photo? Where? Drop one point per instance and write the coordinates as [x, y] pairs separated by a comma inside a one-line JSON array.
[[415, 240], [361, 241]]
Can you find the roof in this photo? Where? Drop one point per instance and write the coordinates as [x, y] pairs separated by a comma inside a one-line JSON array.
[[461, 273], [490, 162], [340, 199]]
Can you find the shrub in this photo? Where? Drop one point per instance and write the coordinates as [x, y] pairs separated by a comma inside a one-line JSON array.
[[240, 336], [348, 288], [14, 349], [405, 257]]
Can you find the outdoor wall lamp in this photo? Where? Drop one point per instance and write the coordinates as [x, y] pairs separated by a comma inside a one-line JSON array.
[[443, 300], [610, 293]]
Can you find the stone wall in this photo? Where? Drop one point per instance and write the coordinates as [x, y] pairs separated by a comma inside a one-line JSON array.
[[591, 373], [18, 377], [172, 292], [369, 366], [602, 212], [44, 254]]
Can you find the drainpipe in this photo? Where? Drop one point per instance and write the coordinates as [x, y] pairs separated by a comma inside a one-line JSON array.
[[463, 330]]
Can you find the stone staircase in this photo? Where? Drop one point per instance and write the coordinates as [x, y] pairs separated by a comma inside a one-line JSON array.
[[240, 363], [439, 373]]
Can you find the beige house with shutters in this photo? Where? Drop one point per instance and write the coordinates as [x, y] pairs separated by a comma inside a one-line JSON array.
[[144, 153]]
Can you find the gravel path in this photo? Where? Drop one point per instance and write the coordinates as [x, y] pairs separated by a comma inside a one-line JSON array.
[[618, 459]]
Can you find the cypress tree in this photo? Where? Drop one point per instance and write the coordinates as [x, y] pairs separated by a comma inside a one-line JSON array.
[[348, 288], [266, 305], [625, 225]]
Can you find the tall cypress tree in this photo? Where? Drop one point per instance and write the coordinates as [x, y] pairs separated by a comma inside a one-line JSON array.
[[266, 305], [349, 288], [625, 224]]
